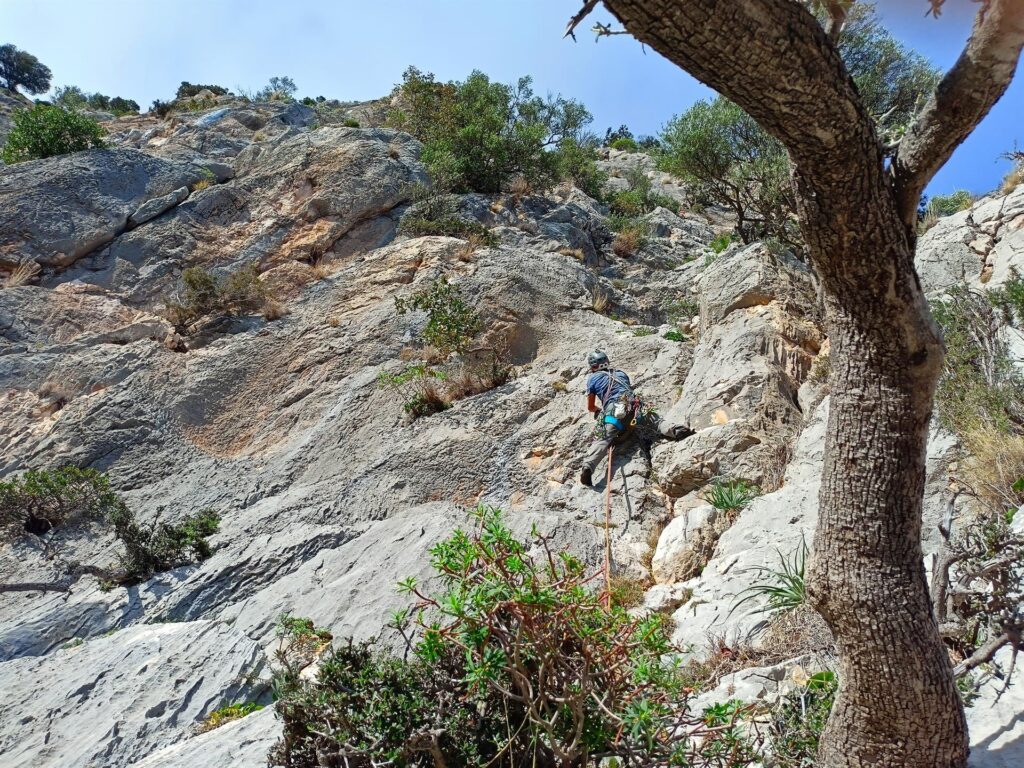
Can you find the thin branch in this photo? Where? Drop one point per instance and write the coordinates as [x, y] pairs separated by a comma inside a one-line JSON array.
[[964, 96], [588, 6]]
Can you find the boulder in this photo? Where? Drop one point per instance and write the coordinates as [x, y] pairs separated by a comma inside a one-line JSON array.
[[153, 208], [676, 539]]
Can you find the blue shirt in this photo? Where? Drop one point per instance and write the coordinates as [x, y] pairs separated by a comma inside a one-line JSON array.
[[598, 384]]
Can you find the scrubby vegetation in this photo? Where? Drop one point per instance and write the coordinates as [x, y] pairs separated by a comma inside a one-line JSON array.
[[451, 322], [478, 135], [517, 661], [73, 97], [228, 713], [451, 370], [47, 131], [45, 501], [188, 90], [202, 293], [639, 197], [728, 160]]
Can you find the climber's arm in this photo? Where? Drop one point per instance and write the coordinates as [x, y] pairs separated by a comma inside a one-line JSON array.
[[592, 403]]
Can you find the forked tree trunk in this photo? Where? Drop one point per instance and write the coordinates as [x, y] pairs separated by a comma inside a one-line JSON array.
[[897, 704]]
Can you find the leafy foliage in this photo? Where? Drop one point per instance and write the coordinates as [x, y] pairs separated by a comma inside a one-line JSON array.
[[784, 588], [47, 131], [477, 135], [202, 293], [625, 143], [946, 205], [979, 385], [518, 661], [639, 197], [227, 713], [40, 501], [721, 242], [576, 163], [727, 159], [158, 546], [451, 322], [417, 386], [73, 97], [730, 495], [730, 161], [187, 90], [277, 89], [20, 69], [797, 724]]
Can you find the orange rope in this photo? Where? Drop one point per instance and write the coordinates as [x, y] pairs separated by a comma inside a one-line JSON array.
[[607, 532]]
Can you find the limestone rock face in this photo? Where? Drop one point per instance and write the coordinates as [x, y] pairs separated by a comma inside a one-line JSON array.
[[112, 700], [328, 493], [981, 245]]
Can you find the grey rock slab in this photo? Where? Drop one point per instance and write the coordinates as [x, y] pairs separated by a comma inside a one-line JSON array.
[[153, 208], [55, 211], [111, 701], [996, 722], [242, 743]]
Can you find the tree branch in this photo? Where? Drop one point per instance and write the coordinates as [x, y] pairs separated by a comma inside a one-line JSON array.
[[964, 96]]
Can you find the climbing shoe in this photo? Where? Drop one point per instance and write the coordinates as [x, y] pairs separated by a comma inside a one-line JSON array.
[[586, 476]]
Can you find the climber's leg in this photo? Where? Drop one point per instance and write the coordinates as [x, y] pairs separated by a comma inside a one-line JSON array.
[[668, 429], [597, 451]]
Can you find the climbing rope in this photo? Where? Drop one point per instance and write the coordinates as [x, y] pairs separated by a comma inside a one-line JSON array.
[[607, 531]]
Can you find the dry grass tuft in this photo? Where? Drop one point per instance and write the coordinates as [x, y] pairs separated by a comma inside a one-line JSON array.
[[627, 243], [774, 460], [599, 301], [995, 462], [394, 152], [653, 536], [56, 395], [333, 321], [559, 386], [274, 310], [202, 184], [520, 187], [1013, 179], [576, 253], [627, 591], [22, 274]]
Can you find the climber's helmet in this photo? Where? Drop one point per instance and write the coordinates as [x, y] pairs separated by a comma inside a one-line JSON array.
[[597, 360]]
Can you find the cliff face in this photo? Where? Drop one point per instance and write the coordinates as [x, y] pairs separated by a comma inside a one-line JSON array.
[[328, 495]]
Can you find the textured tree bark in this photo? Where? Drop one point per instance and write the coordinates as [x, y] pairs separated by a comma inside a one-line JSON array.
[[897, 703]]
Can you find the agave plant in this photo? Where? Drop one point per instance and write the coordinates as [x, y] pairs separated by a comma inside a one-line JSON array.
[[784, 588]]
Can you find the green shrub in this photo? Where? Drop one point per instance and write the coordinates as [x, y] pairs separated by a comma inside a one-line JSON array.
[[796, 724], [675, 335], [626, 144], [946, 205], [187, 90], [40, 501], [517, 661], [350, 122], [201, 293], [979, 385], [45, 131], [1009, 298], [156, 547], [70, 97], [161, 108], [120, 106], [20, 69], [227, 713], [418, 388], [721, 242], [478, 135], [730, 495], [784, 589], [277, 89], [577, 163], [644, 331], [451, 323]]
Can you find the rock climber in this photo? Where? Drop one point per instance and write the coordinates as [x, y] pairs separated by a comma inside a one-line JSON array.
[[620, 411]]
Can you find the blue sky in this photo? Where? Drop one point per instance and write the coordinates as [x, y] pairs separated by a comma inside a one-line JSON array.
[[351, 49]]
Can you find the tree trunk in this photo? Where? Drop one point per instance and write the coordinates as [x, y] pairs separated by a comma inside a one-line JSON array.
[[897, 703]]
